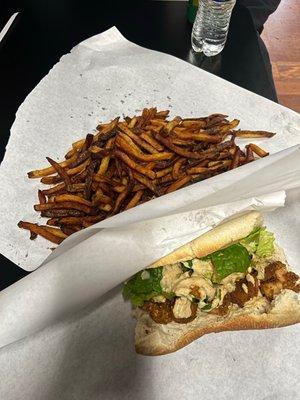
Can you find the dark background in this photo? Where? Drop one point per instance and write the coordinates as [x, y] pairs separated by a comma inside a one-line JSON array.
[[46, 29]]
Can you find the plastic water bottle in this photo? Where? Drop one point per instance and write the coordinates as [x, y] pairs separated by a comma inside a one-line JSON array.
[[211, 26]]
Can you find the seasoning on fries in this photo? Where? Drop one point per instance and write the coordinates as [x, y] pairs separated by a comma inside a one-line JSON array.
[[126, 163]]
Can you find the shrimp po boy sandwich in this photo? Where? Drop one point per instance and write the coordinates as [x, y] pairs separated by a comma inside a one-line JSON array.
[[233, 277]]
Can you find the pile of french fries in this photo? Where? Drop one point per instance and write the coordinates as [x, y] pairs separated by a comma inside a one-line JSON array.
[[126, 163]]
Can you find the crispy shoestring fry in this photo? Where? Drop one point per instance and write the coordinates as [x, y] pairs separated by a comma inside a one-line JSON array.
[[39, 230], [135, 199], [258, 150]]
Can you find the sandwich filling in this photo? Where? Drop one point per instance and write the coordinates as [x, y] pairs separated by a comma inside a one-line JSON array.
[[231, 277]]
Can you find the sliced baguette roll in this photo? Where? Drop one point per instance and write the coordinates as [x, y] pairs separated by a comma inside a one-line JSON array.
[[157, 339], [222, 236]]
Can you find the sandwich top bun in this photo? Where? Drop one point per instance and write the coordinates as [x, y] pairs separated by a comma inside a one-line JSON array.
[[222, 236]]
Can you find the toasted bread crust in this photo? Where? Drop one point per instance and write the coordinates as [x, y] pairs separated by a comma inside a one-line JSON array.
[[240, 322], [221, 236]]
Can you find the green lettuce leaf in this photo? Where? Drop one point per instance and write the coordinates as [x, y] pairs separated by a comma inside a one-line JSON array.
[[259, 242], [232, 259], [251, 241], [207, 307], [265, 246], [138, 290], [186, 265]]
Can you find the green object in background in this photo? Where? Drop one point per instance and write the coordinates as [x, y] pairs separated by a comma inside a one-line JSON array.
[[192, 10]]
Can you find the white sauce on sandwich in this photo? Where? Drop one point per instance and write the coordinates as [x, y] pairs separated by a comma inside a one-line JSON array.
[[182, 308]]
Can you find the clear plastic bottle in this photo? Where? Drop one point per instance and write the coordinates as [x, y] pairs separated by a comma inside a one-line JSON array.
[[211, 26]]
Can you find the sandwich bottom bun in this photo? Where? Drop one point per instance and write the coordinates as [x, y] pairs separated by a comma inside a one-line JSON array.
[[155, 339]]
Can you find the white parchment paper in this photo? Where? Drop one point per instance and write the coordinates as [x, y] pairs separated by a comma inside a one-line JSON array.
[[101, 78], [90, 355]]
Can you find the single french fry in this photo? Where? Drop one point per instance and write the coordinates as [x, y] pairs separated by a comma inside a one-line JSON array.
[[102, 198], [96, 150], [258, 150], [61, 213], [119, 188], [133, 122], [51, 180], [135, 199], [228, 127], [71, 197], [249, 154], [224, 164], [196, 170], [163, 172], [203, 137], [133, 165], [70, 153], [42, 197], [165, 179], [145, 181], [176, 168], [254, 134], [105, 207], [63, 205], [119, 201], [78, 144], [76, 187], [53, 221], [39, 173], [179, 183], [80, 163], [87, 143], [150, 139], [105, 130], [78, 169], [55, 189], [60, 170], [192, 124], [38, 230], [151, 165], [236, 158], [55, 231], [105, 160], [137, 187], [172, 124], [162, 114]]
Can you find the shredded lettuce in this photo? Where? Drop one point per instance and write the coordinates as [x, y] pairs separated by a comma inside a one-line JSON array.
[[259, 242], [186, 265], [138, 290], [232, 259], [265, 246], [207, 307]]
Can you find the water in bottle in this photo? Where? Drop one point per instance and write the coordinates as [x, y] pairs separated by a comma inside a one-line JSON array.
[[211, 26]]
